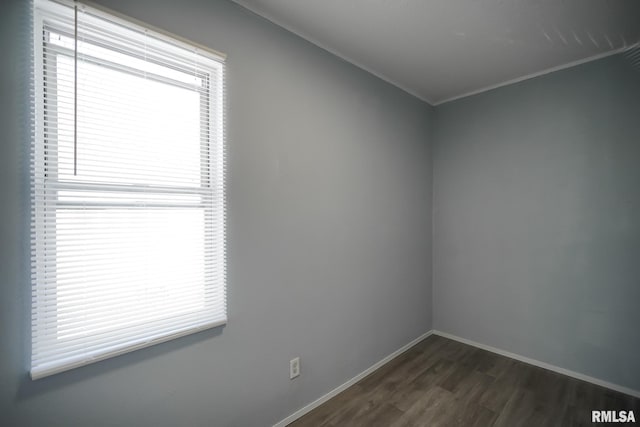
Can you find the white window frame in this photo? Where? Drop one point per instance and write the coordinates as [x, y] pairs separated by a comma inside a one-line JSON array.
[[45, 203]]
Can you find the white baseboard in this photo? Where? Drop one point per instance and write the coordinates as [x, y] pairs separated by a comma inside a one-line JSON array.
[[300, 412], [577, 375]]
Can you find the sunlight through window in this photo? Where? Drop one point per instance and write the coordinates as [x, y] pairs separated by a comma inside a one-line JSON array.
[[127, 188]]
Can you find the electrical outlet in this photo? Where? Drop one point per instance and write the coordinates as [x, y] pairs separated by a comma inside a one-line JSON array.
[[294, 368]]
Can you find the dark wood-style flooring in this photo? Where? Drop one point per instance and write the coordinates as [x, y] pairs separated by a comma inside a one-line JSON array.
[[441, 382]]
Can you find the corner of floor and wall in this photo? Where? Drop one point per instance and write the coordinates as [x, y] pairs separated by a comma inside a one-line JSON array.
[[344, 192], [329, 236], [537, 220]]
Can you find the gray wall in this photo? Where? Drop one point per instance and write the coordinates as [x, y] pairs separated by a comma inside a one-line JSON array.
[[537, 230], [329, 237], [537, 220]]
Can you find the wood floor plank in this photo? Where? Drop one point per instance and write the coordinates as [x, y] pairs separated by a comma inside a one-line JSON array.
[[456, 379], [381, 374], [492, 364], [382, 415], [498, 394], [403, 398], [430, 345], [522, 409], [455, 351], [427, 410], [322, 415], [472, 388], [470, 415], [440, 382]]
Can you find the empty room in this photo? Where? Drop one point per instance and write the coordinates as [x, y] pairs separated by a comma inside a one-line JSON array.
[[319, 213]]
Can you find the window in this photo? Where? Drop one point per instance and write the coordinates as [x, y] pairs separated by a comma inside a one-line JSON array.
[[127, 188]]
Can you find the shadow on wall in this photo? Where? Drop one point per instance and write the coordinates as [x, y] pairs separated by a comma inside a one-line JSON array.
[[29, 388]]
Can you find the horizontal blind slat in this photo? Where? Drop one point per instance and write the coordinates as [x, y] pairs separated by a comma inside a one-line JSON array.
[[127, 189]]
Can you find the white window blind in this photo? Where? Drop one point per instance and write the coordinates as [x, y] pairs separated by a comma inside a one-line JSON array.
[[127, 189]]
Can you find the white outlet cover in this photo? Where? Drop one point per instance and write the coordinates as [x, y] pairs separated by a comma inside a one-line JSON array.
[[294, 368]]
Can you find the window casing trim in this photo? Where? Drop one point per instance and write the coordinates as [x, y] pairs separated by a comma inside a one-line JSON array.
[[46, 188]]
